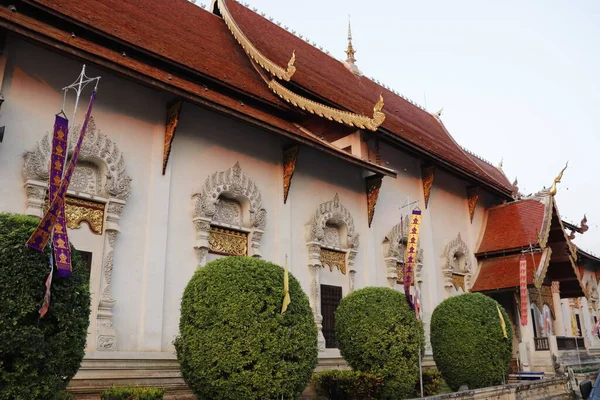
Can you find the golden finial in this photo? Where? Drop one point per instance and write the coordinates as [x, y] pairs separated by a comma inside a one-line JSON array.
[[553, 189], [350, 50]]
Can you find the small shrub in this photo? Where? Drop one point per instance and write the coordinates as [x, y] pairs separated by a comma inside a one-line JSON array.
[[64, 396], [347, 385], [431, 383], [467, 341], [378, 333], [38, 357], [235, 343], [132, 393]]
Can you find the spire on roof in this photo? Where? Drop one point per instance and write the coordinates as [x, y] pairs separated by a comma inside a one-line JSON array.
[[350, 60], [350, 50]]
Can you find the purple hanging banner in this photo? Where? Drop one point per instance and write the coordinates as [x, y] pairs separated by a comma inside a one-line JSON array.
[[40, 237], [60, 238]]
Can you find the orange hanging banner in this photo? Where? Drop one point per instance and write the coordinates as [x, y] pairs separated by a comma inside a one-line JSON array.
[[523, 288]]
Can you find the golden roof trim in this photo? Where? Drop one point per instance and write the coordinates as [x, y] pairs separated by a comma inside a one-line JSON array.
[[332, 114], [253, 52]]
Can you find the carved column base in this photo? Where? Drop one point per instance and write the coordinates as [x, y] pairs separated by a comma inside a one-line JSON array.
[[320, 337], [106, 336], [255, 237], [36, 195], [391, 271]]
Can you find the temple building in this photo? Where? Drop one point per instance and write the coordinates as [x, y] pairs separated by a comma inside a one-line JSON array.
[[217, 132]]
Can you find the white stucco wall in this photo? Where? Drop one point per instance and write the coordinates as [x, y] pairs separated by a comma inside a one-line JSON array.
[[154, 256]]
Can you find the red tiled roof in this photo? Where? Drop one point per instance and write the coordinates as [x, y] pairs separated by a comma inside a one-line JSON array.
[[189, 36], [503, 272], [492, 171], [329, 79], [513, 225]]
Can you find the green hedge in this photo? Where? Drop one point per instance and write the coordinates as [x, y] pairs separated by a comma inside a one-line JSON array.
[[347, 385], [38, 357], [378, 333], [234, 342], [467, 340], [132, 393]]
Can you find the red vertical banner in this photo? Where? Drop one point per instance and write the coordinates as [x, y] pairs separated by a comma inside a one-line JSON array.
[[523, 289]]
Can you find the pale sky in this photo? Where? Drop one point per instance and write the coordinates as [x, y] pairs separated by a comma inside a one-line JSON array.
[[518, 80]]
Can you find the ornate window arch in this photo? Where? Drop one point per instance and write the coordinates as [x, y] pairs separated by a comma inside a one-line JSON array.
[[97, 194], [457, 269], [332, 242], [394, 251], [230, 204]]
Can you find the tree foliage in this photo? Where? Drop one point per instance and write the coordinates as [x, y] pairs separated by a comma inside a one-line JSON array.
[[38, 357], [378, 333], [469, 347], [234, 342]]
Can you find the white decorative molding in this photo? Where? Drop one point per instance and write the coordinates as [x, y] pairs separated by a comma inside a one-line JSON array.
[[228, 198], [394, 251], [330, 216], [457, 262], [98, 152], [99, 176]]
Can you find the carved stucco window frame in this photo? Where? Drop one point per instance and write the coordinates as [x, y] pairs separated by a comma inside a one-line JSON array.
[[457, 247], [329, 212], [394, 251], [232, 182], [106, 156]]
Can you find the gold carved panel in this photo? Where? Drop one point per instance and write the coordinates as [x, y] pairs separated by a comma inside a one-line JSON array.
[[228, 242], [458, 281], [334, 259], [400, 273], [78, 211]]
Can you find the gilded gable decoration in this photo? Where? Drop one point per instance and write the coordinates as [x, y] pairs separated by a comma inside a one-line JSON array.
[[428, 174], [394, 251], [373, 183], [333, 244], [173, 112], [332, 114], [252, 52], [97, 195], [232, 202], [290, 156], [78, 211], [472, 198], [457, 269]]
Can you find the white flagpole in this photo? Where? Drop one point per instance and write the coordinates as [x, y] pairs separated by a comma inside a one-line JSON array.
[[415, 298]]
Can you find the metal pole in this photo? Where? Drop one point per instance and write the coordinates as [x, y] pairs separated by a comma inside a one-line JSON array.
[[420, 371]]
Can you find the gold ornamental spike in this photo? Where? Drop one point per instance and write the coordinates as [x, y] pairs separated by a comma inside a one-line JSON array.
[[253, 52], [553, 189], [332, 114]]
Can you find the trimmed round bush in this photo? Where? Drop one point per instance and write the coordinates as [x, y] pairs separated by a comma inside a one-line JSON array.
[[38, 357], [469, 347], [378, 333], [234, 342]]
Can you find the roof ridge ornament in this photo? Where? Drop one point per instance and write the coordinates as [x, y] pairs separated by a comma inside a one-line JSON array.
[[253, 52], [332, 114], [553, 189]]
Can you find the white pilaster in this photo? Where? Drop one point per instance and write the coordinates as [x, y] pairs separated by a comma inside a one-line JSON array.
[[153, 278]]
